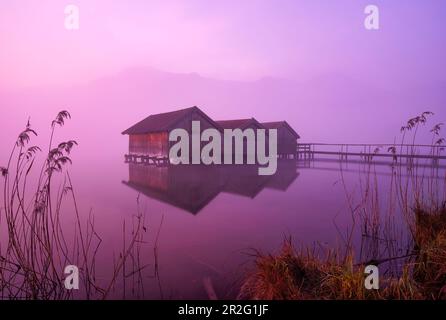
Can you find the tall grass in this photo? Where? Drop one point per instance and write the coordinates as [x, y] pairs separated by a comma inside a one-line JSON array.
[[301, 274], [402, 229], [38, 246]]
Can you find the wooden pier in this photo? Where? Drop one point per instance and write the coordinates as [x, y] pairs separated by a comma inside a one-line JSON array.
[[369, 152], [342, 152], [146, 160]]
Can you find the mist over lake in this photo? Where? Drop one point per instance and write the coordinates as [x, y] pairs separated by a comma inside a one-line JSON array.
[[363, 185]]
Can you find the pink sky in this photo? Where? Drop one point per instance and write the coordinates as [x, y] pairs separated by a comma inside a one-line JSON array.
[[221, 39], [319, 68]]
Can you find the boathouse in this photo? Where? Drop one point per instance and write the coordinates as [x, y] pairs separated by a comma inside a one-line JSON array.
[[149, 138], [241, 124], [286, 138]]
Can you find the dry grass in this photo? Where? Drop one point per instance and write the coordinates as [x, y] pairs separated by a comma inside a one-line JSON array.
[[430, 243], [37, 247], [420, 200], [301, 275], [304, 274]]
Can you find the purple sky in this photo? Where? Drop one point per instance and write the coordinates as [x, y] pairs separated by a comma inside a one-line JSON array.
[[310, 62], [222, 39]]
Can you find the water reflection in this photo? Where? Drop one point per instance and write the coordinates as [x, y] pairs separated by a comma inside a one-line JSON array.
[[193, 187]]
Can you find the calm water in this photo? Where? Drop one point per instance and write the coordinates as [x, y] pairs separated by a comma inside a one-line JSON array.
[[205, 222]]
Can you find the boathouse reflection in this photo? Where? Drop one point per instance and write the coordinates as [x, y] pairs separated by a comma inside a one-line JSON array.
[[192, 187]]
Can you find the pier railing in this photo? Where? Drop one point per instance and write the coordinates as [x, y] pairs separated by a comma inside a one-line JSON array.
[[371, 151]]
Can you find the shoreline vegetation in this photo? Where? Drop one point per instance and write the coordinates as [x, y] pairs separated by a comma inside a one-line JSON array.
[[301, 274], [38, 245], [411, 269]]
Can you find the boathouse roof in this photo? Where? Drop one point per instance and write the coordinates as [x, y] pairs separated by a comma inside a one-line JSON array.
[[281, 124], [163, 122], [238, 123]]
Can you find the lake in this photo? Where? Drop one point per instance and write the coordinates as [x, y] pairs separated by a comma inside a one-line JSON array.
[[206, 222], [201, 225]]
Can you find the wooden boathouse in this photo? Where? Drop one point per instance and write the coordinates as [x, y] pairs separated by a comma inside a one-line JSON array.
[[149, 139], [241, 124], [286, 138]]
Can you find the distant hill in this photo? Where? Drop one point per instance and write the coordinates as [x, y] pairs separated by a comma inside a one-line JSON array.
[[330, 107]]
